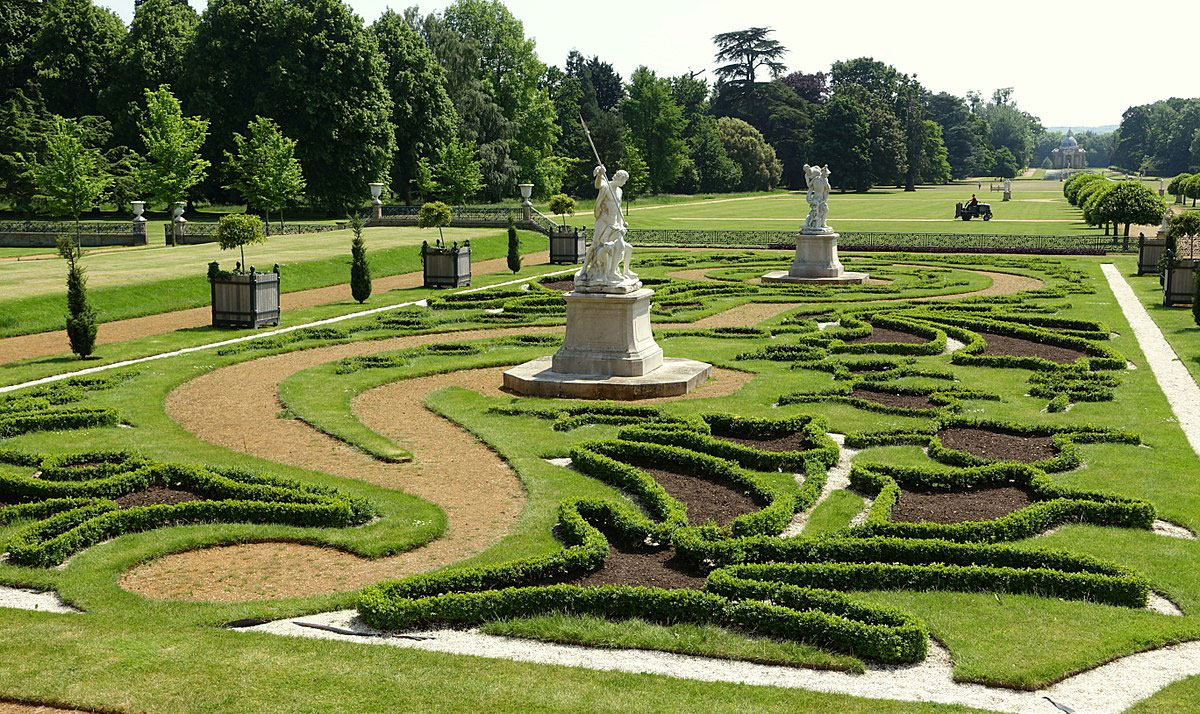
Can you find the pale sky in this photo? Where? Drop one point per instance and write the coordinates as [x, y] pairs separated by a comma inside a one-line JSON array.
[[1064, 58]]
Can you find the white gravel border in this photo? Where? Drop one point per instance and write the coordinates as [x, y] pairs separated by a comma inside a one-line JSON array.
[[1108, 689], [1176, 382], [22, 599]]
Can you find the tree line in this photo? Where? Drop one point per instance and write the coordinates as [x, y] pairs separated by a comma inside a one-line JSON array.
[[456, 106]]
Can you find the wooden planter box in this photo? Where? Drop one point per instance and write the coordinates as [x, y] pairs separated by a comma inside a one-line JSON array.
[[446, 267], [244, 300], [1149, 252], [1178, 282], [567, 245]]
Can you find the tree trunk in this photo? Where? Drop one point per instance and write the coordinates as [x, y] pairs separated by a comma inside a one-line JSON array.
[[1126, 230]]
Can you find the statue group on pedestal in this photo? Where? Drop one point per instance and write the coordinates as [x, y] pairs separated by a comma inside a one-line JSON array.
[[606, 263], [816, 178]]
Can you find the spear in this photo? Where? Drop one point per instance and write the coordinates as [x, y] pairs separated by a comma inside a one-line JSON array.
[[589, 138]]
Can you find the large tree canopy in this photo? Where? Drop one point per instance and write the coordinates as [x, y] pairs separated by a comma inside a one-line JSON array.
[[75, 52], [745, 52], [656, 123]]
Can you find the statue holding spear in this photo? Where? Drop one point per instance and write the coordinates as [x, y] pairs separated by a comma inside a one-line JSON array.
[[606, 263]]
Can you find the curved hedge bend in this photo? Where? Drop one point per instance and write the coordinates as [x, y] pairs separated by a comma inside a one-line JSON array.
[[72, 501], [757, 583]]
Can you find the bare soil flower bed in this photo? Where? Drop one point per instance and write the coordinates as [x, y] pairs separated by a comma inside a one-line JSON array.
[[792, 442], [980, 504], [887, 335], [564, 285], [706, 500], [1001, 345], [647, 568], [997, 445], [892, 399], [157, 496]]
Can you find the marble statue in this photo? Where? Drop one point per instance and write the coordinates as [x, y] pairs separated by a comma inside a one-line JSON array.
[[817, 180], [606, 264]]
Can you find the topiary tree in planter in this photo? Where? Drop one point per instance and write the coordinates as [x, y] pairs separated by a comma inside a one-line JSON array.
[[360, 269], [239, 230], [434, 214], [562, 206]]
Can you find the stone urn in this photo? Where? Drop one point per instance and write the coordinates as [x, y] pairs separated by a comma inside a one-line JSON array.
[[376, 203]]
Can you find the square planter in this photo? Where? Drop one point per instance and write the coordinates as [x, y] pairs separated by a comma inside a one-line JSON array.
[[446, 266], [567, 245], [1178, 282], [1149, 252], [244, 299]]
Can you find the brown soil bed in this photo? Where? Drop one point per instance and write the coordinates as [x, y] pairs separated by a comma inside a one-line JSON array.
[[564, 285], [997, 445], [891, 399], [157, 496], [649, 568], [999, 345], [706, 500], [791, 442], [887, 335], [980, 504]]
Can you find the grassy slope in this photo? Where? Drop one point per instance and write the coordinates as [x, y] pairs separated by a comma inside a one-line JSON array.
[[149, 282]]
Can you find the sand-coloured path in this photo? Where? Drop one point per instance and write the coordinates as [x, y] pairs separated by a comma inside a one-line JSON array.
[[236, 407], [45, 344]]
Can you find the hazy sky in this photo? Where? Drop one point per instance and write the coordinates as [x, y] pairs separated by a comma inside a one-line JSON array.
[[1064, 58]]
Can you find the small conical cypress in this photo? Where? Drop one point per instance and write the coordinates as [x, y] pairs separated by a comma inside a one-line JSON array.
[[81, 317], [360, 270], [514, 246]]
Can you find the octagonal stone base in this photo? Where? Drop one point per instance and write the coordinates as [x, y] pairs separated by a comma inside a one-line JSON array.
[[782, 276], [674, 378]]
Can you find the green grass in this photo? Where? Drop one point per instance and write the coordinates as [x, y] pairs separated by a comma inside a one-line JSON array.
[[703, 640], [834, 513]]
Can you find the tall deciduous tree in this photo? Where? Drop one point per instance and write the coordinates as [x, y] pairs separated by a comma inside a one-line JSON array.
[[1004, 164], [456, 177], [70, 176], [153, 53], [171, 165], [935, 164], [19, 21], [1130, 202], [717, 172], [75, 53], [747, 148], [424, 117], [655, 124], [312, 66], [745, 52], [264, 168], [842, 137]]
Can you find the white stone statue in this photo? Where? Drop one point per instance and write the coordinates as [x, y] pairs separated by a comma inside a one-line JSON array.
[[606, 263], [817, 180]]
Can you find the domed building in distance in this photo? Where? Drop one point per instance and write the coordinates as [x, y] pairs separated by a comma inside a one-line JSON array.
[[1069, 154]]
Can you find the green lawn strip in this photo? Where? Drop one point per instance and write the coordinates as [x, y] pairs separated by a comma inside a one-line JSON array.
[[17, 372], [95, 662], [41, 313], [702, 640], [1029, 642], [1181, 696], [834, 513], [1177, 323]]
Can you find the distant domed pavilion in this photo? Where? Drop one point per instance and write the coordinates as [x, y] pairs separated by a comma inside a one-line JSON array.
[[1069, 154]]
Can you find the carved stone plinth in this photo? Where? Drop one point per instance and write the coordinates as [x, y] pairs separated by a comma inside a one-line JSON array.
[[608, 352], [816, 262]]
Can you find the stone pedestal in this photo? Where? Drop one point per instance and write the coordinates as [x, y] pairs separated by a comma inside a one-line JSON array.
[[816, 262], [608, 352]]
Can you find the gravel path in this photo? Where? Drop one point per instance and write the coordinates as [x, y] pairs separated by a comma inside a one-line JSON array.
[[22, 599], [1176, 382], [44, 344], [1109, 689]]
